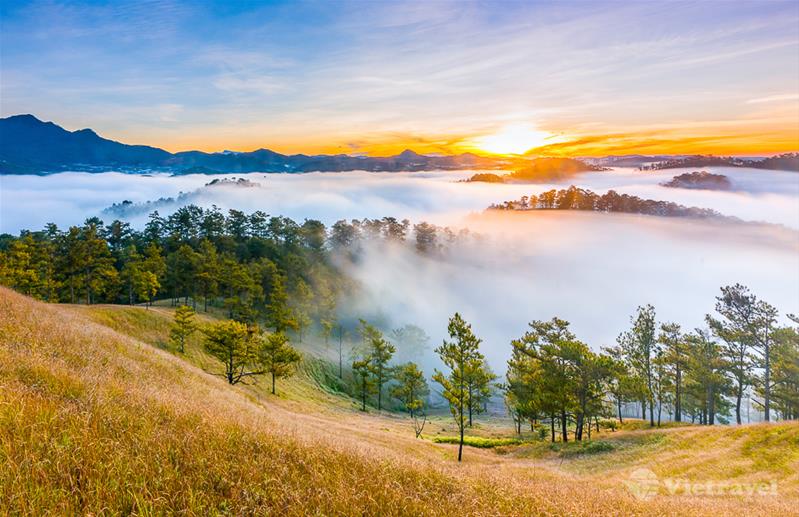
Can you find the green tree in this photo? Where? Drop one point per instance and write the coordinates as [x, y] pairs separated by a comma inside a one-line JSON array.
[[279, 315], [278, 357], [543, 350], [785, 371], [479, 385], [412, 391], [302, 306], [208, 270], [675, 358], [233, 343], [457, 354], [362, 371], [706, 374], [380, 353], [181, 268], [97, 264], [182, 327], [16, 267], [746, 325], [640, 347], [625, 386]]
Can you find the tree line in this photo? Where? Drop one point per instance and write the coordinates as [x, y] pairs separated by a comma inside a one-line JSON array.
[[575, 198], [786, 162], [702, 375], [253, 266]]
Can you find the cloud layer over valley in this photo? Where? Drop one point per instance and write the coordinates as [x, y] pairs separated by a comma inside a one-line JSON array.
[[590, 268]]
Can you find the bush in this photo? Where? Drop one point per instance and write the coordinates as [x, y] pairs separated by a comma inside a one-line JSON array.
[[579, 448], [478, 441], [608, 423]]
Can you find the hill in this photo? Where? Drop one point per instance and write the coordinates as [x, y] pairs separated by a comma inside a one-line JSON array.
[[782, 162], [699, 180], [540, 170], [98, 415], [31, 146]]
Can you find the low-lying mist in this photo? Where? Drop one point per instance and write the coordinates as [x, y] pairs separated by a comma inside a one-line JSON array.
[[69, 198], [589, 268]]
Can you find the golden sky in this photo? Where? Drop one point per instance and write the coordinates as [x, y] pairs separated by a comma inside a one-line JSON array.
[[560, 78]]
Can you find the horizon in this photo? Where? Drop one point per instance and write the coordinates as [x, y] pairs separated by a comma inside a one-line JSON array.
[[576, 80], [409, 149]]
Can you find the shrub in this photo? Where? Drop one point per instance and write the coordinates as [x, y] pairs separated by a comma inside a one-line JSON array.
[[478, 441]]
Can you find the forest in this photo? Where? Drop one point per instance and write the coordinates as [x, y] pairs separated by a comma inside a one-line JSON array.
[[785, 161], [576, 198], [274, 280]]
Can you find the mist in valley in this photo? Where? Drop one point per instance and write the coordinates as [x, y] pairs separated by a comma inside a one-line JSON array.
[[592, 269]]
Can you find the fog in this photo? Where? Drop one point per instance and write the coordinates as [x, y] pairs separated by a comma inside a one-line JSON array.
[[589, 268], [69, 198]]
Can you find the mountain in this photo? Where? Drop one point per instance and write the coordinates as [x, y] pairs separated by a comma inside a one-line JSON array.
[[782, 162], [627, 160], [31, 146]]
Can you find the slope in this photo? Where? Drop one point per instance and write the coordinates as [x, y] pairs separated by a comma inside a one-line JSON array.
[[96, 421]]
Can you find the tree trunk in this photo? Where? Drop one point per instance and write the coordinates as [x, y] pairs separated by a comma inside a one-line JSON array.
[[552, 427], [273, 383], [678, 396], [738, 397], [340, 337], [652, 413], [379, 390], [363, 395], [618, 402], [660, 409], [564, 426], [460, 444], [767, 381]]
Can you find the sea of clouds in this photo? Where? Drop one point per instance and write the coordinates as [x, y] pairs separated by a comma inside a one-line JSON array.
[[589, 268]]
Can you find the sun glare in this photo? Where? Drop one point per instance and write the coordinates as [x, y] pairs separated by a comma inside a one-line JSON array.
[[513, 139]]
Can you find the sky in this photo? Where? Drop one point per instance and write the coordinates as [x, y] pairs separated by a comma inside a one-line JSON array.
[[565, 78]]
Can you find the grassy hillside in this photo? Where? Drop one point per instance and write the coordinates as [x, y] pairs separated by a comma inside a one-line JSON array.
[[96, 419]]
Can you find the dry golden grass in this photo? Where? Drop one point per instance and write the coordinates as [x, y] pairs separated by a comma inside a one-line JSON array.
[[93, 421]]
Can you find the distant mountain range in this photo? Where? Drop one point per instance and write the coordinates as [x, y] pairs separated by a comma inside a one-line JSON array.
[[31, 146]]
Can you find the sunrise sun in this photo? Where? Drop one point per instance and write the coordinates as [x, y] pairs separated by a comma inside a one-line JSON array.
[[513, 139]]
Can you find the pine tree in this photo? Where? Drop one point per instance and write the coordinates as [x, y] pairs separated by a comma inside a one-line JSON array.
[[675, 358], [233, 343], [380, 353], [640, 347], [457, 355], [278, 357], [412, 391], [183, 327], [279, 315], [362, 371]]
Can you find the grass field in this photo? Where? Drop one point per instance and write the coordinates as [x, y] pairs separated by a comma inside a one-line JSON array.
[[99, 416]]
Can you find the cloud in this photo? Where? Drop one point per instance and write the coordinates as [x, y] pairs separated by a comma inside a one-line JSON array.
[[592, 269], [775, 98]]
